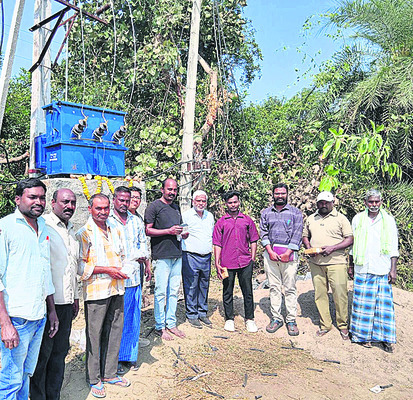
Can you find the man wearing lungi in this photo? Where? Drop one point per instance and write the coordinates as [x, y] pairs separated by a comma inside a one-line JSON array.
[[373, 266], [134, 239]]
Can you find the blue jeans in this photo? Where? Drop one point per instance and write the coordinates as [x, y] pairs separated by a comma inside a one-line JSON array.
[[196, 270], [167, 282], [18, 364]]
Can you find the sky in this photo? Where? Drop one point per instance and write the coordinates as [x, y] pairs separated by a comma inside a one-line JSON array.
[[279, 33]]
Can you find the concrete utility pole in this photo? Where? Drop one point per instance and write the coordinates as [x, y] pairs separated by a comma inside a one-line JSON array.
[[189, 113], [40, 79], [9, 56]]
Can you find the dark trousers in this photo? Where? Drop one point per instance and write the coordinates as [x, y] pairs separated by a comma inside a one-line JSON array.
[[104, 324], [47, 379], [245, 282], [196, 270]]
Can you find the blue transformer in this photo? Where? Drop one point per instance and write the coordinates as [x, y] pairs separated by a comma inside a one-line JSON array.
[[81, 139]]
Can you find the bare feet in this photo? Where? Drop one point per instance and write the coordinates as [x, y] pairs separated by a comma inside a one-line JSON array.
[[164, 334], [176, 332]]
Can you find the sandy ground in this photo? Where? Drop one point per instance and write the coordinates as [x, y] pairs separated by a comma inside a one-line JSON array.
[[231, 365]]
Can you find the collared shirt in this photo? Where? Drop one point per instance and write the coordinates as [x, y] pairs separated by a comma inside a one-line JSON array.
[[64, 255], [376, 263], [283, 227], [99, 286], [200, 232], [25, 276], [234, 235], [134, 239], [328, 231]]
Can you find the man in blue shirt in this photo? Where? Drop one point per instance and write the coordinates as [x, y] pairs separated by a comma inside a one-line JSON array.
[[196, 260], [281, 228], [25, 288]]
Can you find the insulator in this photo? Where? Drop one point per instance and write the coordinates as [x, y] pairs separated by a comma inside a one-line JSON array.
[[120, 134], [78, 129], [100, 131]]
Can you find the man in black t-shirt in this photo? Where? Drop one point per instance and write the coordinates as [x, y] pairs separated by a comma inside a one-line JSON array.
[[163, 224]]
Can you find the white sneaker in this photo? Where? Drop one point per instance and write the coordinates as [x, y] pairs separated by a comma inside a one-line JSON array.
[[143, 342], [251, 326], [229, 325]]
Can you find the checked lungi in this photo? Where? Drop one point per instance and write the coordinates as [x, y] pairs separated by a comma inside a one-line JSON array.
[[372, 318], [132, 324]]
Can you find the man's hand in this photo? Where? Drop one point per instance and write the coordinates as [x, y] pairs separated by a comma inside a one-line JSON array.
[[148, 272], [392, 276], [75, 308], [9, 336], [273, 255], [115, 273], [219, 270], [141, 260], [54, 323], [327, 250], [175, 230], [285, 257], [350, 272], [185, 235]]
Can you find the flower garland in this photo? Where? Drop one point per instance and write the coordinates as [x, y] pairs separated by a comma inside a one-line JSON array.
[[100, 180], [82, 179]]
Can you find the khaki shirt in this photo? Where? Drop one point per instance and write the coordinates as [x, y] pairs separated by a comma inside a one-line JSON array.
[[64, 255], [328, 231]]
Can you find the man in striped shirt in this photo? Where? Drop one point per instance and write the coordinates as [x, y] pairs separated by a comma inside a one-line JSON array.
[[101, 256]]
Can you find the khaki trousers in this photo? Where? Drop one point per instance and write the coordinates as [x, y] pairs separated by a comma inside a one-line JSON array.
[[335, 276], [282, 274]]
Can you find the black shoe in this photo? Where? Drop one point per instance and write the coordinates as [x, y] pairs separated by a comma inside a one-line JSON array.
[[195, 323], [206, 321]]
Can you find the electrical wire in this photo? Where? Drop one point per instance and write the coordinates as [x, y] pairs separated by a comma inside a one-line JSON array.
[[2, 27], [8, 161], [134, 53], [84, 60]]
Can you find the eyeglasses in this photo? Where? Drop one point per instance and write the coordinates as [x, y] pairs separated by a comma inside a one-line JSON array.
[[135, 197]]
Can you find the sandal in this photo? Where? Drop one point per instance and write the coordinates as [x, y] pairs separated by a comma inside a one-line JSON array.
[[98, 390], [344, 334], [322, 332], [292, 328], [387, 347], [367, 345], [118, 381]]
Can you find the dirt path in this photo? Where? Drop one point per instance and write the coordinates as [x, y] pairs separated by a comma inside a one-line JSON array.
[[223, 366]]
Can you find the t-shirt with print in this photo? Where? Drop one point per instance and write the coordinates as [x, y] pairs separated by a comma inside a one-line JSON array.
[[163, 216]]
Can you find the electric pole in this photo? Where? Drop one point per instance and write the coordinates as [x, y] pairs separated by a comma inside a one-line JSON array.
[[189, 112], [9, 56], [40, 79]]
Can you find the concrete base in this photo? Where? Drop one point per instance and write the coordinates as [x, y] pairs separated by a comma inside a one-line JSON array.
[[82, 214]]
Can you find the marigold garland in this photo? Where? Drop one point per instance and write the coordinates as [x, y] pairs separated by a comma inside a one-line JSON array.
[[82, 179]]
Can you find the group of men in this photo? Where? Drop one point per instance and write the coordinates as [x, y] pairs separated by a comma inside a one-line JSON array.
[[40, 262], [40, 259]]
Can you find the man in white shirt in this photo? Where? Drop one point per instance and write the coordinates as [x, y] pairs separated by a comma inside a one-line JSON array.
[[26, 288], [373, 264], [196, 260], [47, 379]]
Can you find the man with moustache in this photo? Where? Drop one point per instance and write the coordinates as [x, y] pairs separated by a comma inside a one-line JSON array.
[[281, 228], [134, 240], [163, 224], [135, 202], [47, 379], [235, 246], [373, 265], [26, 289], [101, 256], [196, 260], [330, 231]]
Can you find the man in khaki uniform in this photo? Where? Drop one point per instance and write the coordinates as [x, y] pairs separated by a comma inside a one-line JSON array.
[[330, 231]]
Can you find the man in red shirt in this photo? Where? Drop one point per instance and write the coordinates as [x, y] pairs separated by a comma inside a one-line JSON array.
[[235, 245]]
